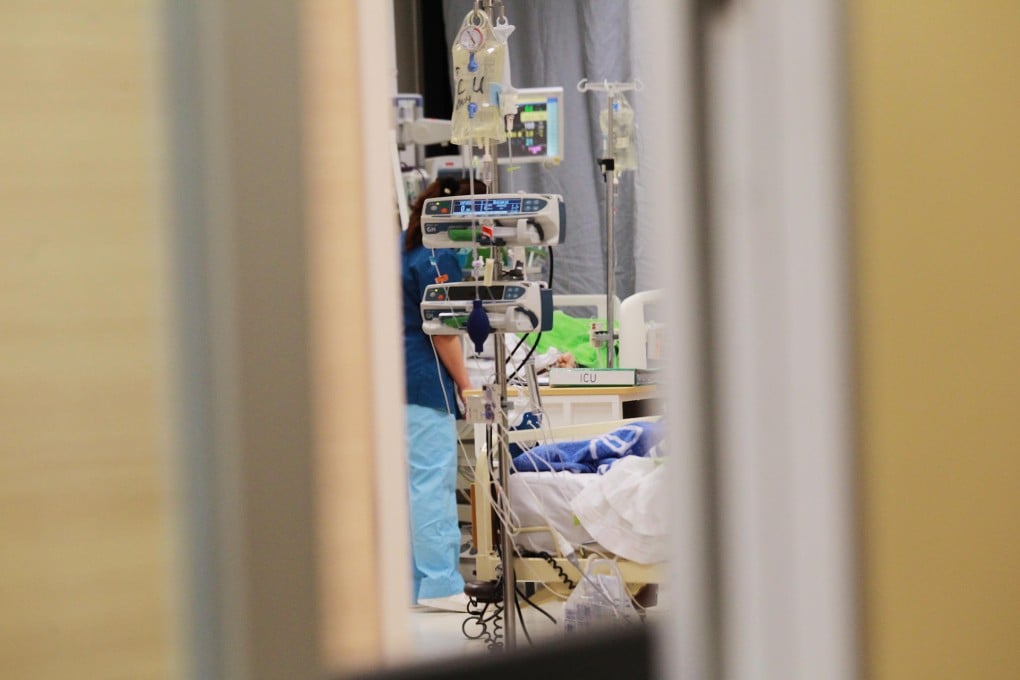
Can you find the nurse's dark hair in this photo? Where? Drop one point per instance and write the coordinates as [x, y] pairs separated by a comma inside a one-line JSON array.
[[444, 186]]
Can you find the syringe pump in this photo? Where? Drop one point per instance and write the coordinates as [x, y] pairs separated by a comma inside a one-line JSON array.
[[511, 306], [493, 220]]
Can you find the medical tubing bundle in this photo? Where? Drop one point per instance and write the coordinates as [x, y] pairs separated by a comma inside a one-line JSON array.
[[571, 557], [510, 524]]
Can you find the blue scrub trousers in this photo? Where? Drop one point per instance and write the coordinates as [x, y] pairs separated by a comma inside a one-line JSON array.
[[432, 484]]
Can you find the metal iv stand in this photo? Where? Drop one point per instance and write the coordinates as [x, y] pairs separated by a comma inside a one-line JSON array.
[[501, 426], [608, 166], [506, 544]]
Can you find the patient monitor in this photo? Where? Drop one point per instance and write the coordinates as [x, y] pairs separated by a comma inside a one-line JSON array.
[[493, 220], [512, 306]]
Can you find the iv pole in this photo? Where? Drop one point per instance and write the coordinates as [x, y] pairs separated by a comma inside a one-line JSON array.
[[608, 165], [501, 426], [502, 448]]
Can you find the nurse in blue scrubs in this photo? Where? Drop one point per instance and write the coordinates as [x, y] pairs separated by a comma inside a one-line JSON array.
[[435, 376]]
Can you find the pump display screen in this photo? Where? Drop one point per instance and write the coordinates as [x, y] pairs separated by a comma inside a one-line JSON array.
[[467, 293], [493, 207], [462, 293]]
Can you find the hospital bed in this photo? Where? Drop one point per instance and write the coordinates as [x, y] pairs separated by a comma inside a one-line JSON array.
[[551, 569]]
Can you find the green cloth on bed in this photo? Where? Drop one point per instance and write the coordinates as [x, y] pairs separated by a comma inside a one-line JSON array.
[[570, 334]]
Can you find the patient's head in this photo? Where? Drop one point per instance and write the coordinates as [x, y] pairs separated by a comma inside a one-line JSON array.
[[444, 186]]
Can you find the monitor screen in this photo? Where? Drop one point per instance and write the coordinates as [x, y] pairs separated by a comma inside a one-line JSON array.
[[537, 135]]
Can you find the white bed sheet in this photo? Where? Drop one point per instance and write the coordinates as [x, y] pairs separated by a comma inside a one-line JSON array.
[[543, 498], [619, 512]]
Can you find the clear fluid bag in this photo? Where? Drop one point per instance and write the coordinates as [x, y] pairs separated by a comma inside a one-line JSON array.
[[479, 60], [624, 149], [600, 600]]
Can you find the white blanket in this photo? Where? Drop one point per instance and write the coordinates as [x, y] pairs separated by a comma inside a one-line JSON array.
[[624, 509], [543, 499]]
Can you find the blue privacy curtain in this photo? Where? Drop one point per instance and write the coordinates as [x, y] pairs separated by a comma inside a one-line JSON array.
[[558, 43]]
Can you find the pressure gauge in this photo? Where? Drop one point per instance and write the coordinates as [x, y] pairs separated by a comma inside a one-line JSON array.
[[471, 38]]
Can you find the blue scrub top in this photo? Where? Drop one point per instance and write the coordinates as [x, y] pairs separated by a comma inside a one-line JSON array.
[[425, 384]]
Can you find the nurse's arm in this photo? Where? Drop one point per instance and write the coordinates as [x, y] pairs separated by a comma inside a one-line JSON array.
[[451, 353]]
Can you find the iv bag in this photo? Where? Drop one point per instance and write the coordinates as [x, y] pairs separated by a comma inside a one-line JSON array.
[[624, 149], [599, 600], [508, 95], [479, 59]]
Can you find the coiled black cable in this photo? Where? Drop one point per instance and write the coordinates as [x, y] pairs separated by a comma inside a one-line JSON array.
[[567, 581], [496, 640], [481, 618]]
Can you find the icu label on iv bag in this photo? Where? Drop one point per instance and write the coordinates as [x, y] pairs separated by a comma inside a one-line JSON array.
[[478, 65]]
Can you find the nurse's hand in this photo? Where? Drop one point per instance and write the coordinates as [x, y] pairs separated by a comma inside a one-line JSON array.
[[461, 388]]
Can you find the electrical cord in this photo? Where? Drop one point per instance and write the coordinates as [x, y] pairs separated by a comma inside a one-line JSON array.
[[538, 338], [532, 317], [528, 600], [527, 356], [518, 346], [496, 640], [552, 265], [520, 615], [567, 581]]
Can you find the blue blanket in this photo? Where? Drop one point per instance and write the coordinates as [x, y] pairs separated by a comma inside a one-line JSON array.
[[592, 455]]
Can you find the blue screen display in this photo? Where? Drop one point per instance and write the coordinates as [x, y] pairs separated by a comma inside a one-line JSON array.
[[487, 206]]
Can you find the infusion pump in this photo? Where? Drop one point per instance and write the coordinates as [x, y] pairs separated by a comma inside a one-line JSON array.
[[493, 220], [511, 306]]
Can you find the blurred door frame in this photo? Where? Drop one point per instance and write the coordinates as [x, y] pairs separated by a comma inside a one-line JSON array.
[[763, 567]]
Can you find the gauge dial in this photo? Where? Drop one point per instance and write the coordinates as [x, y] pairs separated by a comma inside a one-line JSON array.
[[471, 38]]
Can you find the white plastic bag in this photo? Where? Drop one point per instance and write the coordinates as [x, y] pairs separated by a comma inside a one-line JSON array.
[[600, 600]]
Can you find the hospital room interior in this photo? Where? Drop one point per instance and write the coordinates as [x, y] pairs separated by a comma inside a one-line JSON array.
[[462, 338]]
